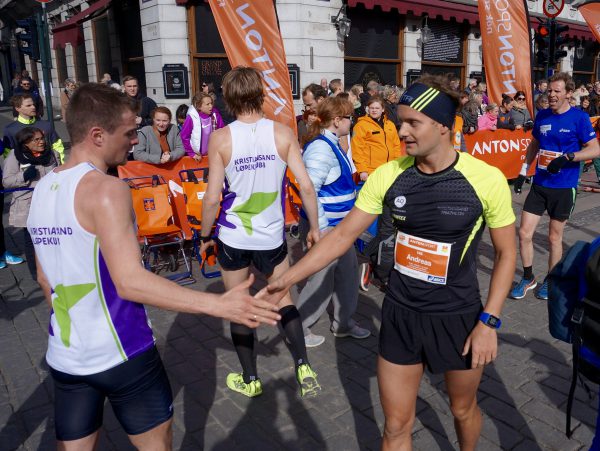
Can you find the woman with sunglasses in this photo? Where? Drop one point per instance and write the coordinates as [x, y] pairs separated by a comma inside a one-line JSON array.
[[31, 159], [330, 171], [520, 113], [375, 139]]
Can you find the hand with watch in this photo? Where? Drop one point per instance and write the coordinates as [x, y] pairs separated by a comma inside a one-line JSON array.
[[490, 320], [558, 163], [482, 342]]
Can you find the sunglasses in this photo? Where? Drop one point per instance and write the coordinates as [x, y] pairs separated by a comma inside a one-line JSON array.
[[37, 140], [204, 85], [347, 117], [520, 98]]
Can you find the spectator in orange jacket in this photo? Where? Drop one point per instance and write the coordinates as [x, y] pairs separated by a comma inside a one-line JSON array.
[[375, 139]]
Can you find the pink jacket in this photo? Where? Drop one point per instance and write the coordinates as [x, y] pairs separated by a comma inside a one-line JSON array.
[[487, 122]]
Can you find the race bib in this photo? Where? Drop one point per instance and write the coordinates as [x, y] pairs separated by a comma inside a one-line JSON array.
[[545, 157], [422, 259]]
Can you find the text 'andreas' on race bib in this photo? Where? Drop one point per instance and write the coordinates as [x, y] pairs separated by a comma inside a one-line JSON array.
[[422, 259]]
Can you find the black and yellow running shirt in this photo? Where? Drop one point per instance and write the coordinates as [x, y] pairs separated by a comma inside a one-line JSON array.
[[439, 219]]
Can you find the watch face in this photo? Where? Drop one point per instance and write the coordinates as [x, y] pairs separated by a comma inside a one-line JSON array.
[[493, 321]]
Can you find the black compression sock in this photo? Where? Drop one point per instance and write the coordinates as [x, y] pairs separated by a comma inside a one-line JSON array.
[[243, 340], [292, 326], [528, 272]]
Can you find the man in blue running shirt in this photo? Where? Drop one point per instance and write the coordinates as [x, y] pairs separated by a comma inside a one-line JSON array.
[[562, 138]]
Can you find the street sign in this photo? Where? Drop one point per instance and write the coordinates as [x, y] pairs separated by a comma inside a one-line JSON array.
[[553, 8]]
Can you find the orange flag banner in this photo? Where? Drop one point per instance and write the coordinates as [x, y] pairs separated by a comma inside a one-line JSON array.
[[506, 50], [504, 149], [591, 14], [251, 37]]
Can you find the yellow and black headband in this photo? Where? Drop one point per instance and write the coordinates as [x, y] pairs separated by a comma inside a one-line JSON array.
[[431, 102]]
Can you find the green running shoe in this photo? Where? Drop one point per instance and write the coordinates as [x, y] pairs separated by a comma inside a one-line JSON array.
[[235, 381], [307, 378]]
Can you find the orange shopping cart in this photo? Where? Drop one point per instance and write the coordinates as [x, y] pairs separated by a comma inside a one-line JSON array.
[[161, 238], [194, 183]]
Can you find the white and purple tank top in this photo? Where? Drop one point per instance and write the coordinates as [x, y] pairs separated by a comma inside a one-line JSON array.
[[91, 328], [252, 209]]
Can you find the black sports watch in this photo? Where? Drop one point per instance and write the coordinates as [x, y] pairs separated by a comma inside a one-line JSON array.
[[570, 156], [205, 239], [490, 320]]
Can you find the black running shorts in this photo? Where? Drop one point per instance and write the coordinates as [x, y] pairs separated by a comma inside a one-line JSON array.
[[138, 391], [558, 202], [437, 341], [232, 259]]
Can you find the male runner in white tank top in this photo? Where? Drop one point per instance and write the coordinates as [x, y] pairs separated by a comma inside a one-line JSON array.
[[247, 164], [89, 266]]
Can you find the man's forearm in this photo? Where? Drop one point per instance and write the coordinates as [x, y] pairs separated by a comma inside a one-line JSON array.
[[309, 203], [209, 214], [144, 287], [532, 150], [589, 152], [501, 280], [331, 246]]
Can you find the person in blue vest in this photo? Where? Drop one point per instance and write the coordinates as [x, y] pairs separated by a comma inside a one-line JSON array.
[[330, 171]]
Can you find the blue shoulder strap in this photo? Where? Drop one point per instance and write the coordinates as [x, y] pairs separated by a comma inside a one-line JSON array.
[[593, 247]]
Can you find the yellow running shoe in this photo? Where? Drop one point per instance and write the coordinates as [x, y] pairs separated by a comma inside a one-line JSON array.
[[307, 378], [235, 381]]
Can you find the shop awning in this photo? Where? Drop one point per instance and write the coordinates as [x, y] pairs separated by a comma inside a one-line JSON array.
[[69, 31], [433, 8], [579, 31]]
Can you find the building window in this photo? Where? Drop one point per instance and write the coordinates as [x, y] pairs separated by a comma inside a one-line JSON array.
[[81, 64], [209, 61], [373, 49], [584, 68], [444, 53], [102, 46], [129, 30], [61, 65]]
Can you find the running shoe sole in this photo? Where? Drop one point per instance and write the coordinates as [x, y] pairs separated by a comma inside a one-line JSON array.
[[309, 387], [365, 276]]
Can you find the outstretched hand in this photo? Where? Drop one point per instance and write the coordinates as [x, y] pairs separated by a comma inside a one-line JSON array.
[[273, 293], [237, 306]]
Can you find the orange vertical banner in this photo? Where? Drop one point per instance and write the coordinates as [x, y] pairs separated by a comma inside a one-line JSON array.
[[506, 50], [251, 37], [591, 14]]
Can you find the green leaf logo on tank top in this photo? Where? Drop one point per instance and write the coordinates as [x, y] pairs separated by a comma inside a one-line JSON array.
[[255, 205], [66, 298]]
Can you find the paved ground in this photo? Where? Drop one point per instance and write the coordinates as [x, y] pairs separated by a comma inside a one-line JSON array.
[[522, 396]]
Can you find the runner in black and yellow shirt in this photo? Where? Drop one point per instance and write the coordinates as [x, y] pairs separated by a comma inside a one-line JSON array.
[[432, 316]]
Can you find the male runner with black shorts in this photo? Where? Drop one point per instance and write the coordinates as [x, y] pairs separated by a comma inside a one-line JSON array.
[[562, 138], [100, 343], [247, 166], [440, 201]]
